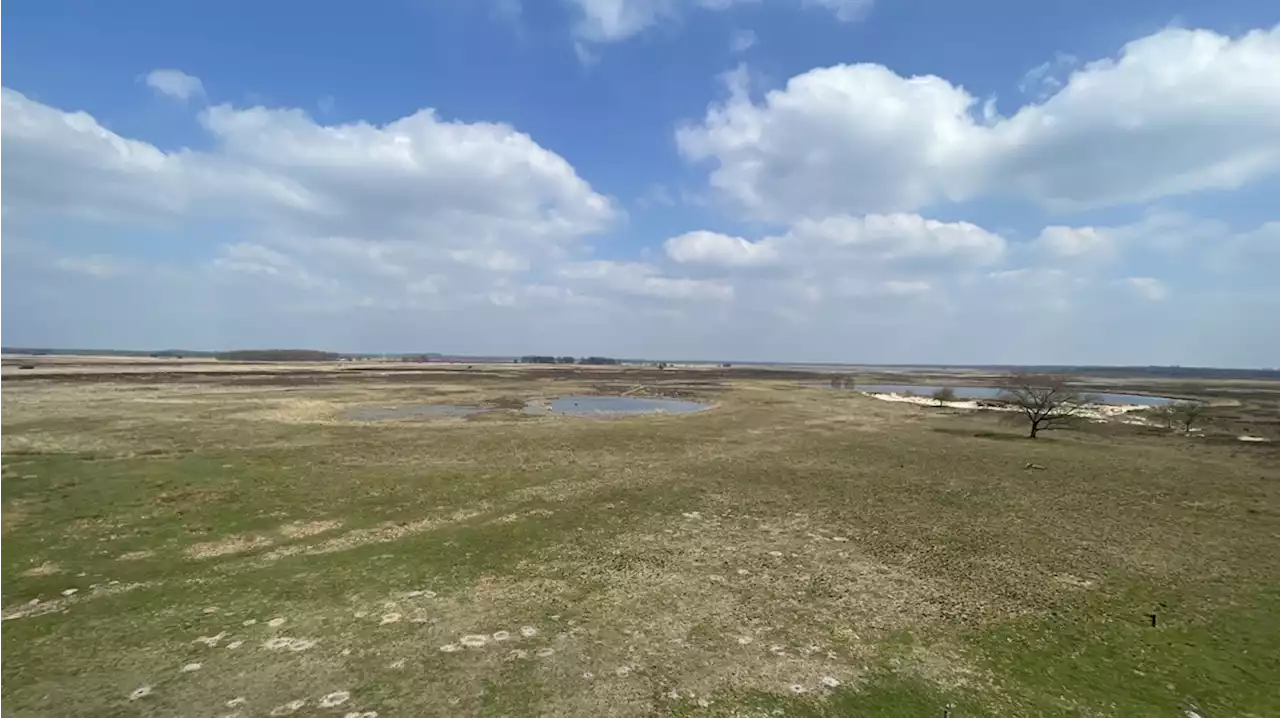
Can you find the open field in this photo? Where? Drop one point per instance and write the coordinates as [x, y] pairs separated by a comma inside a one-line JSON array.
[[215, 540]]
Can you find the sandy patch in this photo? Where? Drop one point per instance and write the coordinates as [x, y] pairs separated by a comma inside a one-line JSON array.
[[300, 529], [45, 569], [227, 546]]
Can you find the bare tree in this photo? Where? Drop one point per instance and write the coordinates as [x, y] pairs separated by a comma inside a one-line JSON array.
[[1185, 414], [1163, 414], [1046, 401]]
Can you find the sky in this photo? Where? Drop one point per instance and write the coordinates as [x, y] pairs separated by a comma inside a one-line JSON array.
[[858, 181]]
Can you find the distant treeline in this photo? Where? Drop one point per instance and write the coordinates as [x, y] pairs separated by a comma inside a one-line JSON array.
[[535, 359], [276, 355]]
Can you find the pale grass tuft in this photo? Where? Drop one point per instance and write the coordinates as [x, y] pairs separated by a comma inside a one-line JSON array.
[[474, 641], [136, 555], [226, 547], [211, 641], [289, 708], [335, 699], [299, 529], [140, 692]]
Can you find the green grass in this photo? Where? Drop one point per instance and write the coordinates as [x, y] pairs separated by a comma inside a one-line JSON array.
[[788, 535]]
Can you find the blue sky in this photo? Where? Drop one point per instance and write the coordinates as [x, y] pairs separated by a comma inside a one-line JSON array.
[[838, 180]]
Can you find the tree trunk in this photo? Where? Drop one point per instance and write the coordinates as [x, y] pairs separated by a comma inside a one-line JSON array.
[[1034, 428]]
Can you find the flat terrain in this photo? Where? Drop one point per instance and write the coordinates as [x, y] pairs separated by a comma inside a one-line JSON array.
[[206, 540]]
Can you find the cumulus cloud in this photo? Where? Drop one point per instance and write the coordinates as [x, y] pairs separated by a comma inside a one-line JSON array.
[[419, 179], [418, 175], [1176, 112], [175, 84], [842, 240], [1066, 242], [702, 247]]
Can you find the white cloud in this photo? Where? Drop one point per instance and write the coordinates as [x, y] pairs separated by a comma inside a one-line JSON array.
[[1065, 242], [849, 138], [1177, 112], [66, 163], [418, 176], [419, 179], [741, 41], [641, 280], [1148, 288], [839, 242], [1045, 79], [175, 84], [899, 238], [702, 247]]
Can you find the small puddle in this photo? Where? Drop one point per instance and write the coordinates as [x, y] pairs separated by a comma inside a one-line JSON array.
[[410, 411], [615, 405]]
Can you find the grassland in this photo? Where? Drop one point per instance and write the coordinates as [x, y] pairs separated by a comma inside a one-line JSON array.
[[223, 543]]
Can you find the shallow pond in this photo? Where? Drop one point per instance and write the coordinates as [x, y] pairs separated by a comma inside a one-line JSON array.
[[612, 405], [410, 411], [991, 392]]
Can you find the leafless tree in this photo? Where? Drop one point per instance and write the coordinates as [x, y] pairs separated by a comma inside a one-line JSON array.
[[1163, 414], [1046, 401], [1185, 414]]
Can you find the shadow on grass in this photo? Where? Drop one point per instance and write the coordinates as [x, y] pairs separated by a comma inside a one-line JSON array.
[[986, 434]]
